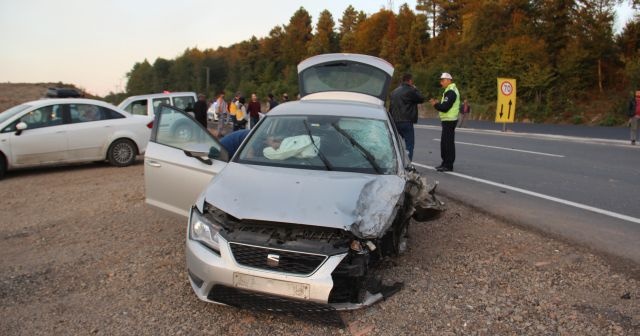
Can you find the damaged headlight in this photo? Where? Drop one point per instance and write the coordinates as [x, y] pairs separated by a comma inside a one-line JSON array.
[[203, 230]]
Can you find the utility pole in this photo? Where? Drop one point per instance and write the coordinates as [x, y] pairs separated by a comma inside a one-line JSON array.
[[207, 85]]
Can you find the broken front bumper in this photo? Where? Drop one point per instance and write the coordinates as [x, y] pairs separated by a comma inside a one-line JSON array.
[[214, 275]]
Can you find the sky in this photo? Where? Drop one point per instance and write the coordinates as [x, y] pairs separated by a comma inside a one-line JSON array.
[[94, 43]]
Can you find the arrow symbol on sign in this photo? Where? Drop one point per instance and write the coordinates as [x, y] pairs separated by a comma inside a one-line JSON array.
[[509, 115], [501, 107]]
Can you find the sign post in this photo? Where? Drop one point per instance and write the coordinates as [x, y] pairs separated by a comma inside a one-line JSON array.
[[506, 107]]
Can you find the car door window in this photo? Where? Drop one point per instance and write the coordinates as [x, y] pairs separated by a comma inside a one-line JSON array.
[[108, 113], [138, 107], [157, 101], [81, 113], [42, 117], [184, 103], [181, 131]]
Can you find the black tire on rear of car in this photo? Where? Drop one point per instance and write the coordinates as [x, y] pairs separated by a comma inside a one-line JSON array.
[[3, 165], [122, 153]]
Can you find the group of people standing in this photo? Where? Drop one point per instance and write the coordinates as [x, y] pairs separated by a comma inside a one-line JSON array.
[[237, 111], [404, 111]]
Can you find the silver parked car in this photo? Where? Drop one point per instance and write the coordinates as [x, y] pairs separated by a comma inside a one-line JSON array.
[[69, 130], [317, 194]]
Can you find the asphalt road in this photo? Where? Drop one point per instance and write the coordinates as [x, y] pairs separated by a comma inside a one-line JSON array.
[[584, 188]]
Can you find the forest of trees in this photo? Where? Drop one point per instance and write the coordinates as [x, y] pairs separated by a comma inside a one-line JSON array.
[[561, 52]]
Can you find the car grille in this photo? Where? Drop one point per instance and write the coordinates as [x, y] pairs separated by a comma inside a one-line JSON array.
[[288, 261], [307, 310]]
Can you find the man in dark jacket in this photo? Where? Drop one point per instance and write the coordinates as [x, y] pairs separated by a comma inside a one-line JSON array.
[[200, 110], [404, 110]]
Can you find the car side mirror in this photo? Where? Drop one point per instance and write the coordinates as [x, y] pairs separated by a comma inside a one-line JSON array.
[[214, 153], [21, 126]]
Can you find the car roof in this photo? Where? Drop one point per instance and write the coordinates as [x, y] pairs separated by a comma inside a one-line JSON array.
[[51, 101], [331, 107], [156, 95]]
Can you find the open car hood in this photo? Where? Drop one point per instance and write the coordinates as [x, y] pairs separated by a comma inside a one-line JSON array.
[[360, 203], [345, 73]]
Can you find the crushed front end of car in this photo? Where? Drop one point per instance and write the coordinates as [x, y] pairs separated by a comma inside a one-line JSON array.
[[299, 269]]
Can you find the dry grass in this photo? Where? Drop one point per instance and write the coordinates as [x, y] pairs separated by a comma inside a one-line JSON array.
[[12, 94]]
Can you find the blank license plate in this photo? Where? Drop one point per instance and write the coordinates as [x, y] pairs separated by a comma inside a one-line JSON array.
[[272, 286]]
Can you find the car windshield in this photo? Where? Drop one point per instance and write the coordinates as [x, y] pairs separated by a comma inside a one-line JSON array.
[[12, 111], [322, 143]]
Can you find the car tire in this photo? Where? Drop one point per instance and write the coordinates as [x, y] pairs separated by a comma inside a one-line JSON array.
[[3, 165], [122, 153]]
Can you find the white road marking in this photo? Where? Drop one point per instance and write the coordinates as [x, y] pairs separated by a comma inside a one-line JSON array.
[[504, 148], [552, 137], [543, 196]]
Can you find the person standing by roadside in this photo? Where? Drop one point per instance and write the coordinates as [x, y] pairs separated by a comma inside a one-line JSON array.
[[241, 114], [232, 108], [404, 110], [285, 97], [449, 108], [465, 109], [272, 102], [634, 116], [254, 110], [221, 111], [200, 110]]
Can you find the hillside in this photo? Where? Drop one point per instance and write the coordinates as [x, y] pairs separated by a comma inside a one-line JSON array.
[[12, 94]]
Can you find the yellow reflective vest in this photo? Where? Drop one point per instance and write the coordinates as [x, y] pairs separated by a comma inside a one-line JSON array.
[[232, 108], [453, 112]]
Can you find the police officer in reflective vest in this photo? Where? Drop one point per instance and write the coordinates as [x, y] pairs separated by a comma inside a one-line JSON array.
[[449, 108]]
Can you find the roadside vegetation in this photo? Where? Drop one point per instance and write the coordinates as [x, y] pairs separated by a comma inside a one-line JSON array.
[[569, 65]]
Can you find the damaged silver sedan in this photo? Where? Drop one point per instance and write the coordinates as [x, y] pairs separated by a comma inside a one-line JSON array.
[[316, 196]]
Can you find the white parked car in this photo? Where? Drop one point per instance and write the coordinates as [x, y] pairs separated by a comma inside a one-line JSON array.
[[148, 104], [316, 195], [58, 131], [211, 112]]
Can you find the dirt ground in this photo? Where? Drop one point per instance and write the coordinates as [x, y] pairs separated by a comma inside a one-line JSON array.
[[82, 254]]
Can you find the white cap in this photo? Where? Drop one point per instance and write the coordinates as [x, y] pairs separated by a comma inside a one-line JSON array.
[[446, 75]]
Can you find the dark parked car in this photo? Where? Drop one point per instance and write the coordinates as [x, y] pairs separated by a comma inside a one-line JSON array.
[[63, 93]]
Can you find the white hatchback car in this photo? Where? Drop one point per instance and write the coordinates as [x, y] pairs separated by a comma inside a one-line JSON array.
[[315, 197], [68, 130]]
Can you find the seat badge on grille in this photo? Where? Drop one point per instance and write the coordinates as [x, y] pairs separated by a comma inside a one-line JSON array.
[[273, 260]]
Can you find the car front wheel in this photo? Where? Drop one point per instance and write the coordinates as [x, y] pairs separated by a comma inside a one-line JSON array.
[[122, 153]]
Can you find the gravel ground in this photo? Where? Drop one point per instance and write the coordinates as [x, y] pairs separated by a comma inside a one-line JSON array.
[[82, 254]]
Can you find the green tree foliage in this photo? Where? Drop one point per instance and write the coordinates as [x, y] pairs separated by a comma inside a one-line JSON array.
[[140, 78], [325, 39], [559, 51], [628, 43], [430, 9], [297, 37], [348, 26]]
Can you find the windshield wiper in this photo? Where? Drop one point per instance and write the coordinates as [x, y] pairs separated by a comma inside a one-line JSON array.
[[326, 162], [357, 145]]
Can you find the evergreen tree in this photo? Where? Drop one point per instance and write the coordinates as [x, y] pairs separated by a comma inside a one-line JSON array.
[[297, 37], [140, 78], [325, 39], [348, 26]]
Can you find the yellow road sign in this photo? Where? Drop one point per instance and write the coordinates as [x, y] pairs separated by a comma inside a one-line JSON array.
[[506, 108]]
